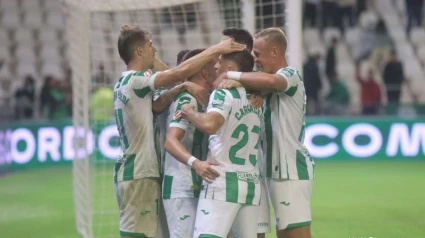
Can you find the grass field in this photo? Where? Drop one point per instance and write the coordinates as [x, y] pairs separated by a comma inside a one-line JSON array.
[[381, 199]]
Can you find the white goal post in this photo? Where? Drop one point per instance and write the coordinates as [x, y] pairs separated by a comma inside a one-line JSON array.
[[92, 29]]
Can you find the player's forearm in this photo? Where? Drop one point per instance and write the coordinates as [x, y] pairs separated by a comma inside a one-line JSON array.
[[176, 149], [164, 101], [202, 122], [185, 69], [263, 82], [158, 65]]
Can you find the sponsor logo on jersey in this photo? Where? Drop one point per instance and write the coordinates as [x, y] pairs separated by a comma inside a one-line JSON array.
[[184, 101], [184, 217], [263, 224], [249, 177], [217, 103], [145, 212], [147, 73], [205, 212], [177, 115]]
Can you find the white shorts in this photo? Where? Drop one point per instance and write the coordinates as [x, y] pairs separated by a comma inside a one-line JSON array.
[[181, 214], [291, 202], [263, 221], [215, 218], [138, 202]]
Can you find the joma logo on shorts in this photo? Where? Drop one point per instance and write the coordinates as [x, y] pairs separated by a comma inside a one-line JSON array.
[[145, 212]]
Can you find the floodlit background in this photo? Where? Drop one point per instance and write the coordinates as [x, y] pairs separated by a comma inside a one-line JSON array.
[[363, 68]]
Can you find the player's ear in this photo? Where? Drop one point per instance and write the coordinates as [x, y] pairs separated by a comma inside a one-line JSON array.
[[204, 73], [139, 51], [275, 51]]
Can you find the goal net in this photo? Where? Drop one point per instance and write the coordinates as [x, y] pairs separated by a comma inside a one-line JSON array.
[[92, 31]]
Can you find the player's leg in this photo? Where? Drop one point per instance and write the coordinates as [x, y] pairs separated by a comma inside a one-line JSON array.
[[214, 218], [181, 214], [138, 206], [263, 220], [245, 222], [291, 202]]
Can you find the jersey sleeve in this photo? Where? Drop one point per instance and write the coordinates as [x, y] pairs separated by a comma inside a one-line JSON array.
[[142, 82], [292, 78], [175, 110], [220, 102]]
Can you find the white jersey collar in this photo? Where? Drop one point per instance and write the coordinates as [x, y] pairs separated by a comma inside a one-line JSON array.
[[125, 73]]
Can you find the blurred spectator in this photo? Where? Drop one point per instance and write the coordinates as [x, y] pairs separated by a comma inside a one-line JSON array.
[[46, 99], [310, 12], [25, 99], [100, 77], [101, 105], [52, 100], [331, 58], [67, 89], [338, 98], [367, 39], [414, 10], [393, 78], [330, 13], [6, 108], [346, 11], [382, 45], [371, 97], [313, 84], [361, 7]]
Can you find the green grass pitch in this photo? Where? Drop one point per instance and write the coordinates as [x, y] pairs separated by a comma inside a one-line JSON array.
[[380, 199]]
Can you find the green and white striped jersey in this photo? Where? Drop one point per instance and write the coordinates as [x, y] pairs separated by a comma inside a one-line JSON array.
[[235, 147], [283, 142], [180, 180], [136, 126]]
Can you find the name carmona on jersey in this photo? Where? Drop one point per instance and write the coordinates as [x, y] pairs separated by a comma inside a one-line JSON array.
[[245, 110]]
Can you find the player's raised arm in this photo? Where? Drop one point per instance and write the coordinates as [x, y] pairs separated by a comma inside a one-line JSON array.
[[168, 78], [263, 82]]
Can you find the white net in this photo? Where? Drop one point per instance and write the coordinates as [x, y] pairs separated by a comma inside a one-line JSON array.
[[93, 27]]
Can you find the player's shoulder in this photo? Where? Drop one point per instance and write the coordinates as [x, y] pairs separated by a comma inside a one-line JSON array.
[[144, 73], [231, 93], [288, 72], [184, 97]]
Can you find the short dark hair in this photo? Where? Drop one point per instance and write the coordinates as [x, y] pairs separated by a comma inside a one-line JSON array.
[[243, 59], [192, 53], [180, 56], [241, 36], [130, 38], [189, 55]]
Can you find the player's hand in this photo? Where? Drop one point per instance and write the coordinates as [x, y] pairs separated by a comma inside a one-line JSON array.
[[198, 92], [256, 100], [186, 109], [230, 83], [205, 171], [228, 46]]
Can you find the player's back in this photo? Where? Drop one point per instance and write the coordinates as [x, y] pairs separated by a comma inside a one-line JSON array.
[[136, 126], [235, 147]]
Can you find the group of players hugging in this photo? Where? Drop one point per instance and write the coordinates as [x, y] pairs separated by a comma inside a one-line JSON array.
[[206, 145]]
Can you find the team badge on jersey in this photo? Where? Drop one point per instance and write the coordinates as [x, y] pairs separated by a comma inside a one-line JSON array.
[[177, 115], [147, 73]]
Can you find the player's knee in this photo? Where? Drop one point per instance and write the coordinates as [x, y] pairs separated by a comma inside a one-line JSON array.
[[261, 235], [296, 232]]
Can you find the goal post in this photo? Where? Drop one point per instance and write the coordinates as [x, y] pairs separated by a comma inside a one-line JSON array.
[[92, 29]]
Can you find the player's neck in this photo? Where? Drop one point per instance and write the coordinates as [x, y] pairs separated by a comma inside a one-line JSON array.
[[283, 64], [136, 66]]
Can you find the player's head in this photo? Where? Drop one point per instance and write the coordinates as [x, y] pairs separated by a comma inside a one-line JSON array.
[[269, 49], [135, 45], [204, 77], [180, 56], [241, 61], [240, 36]]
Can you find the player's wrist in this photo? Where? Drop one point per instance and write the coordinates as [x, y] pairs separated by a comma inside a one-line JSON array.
[[191, 160], [235, 75]]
